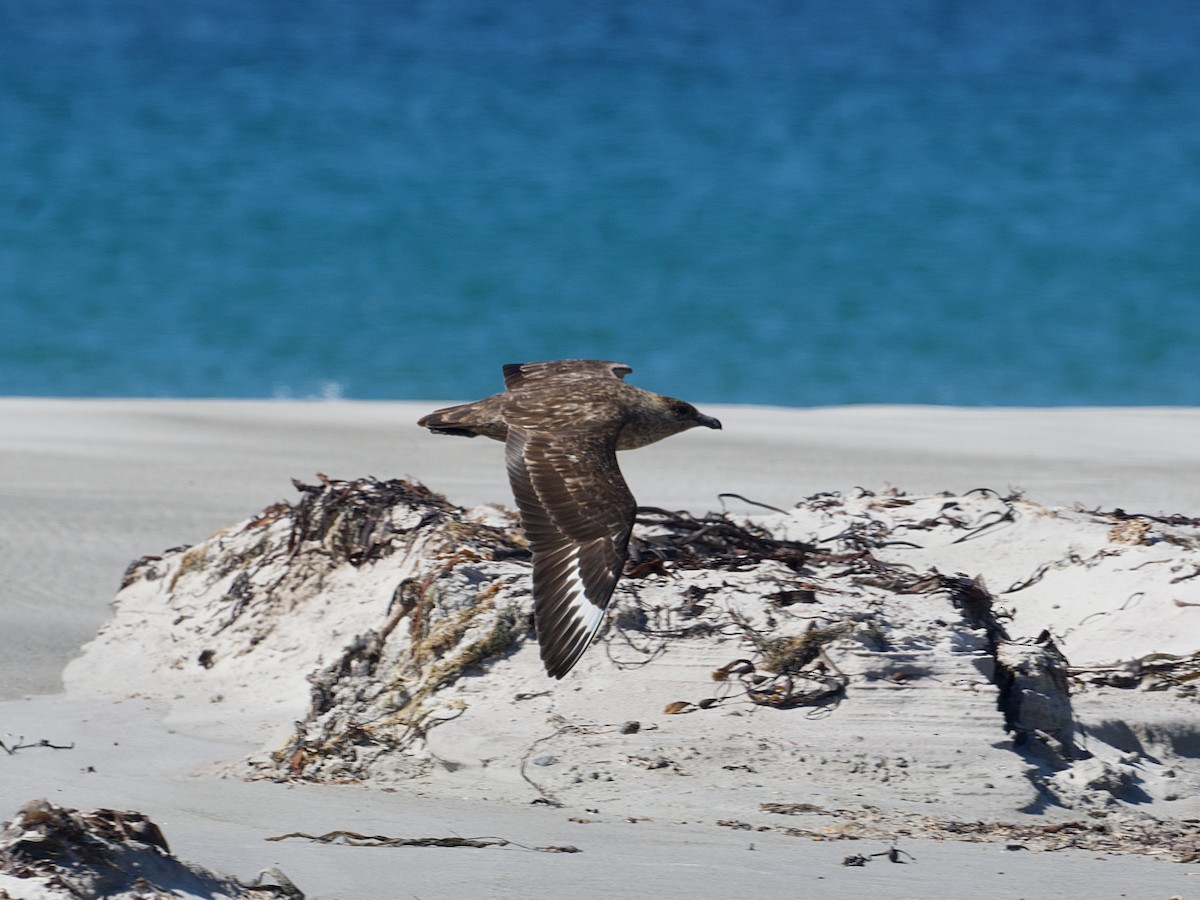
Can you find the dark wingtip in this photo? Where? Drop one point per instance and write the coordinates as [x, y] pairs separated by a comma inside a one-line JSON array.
[[557, 663], [555, 669], [560, 656]]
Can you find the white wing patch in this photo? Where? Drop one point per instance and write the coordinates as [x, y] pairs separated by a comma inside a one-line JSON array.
[[584, 609]]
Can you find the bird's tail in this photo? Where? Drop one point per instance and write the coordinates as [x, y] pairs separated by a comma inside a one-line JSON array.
[[468, 420]]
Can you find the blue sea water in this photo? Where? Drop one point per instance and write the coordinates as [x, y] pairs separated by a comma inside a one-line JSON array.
[[793, 202]]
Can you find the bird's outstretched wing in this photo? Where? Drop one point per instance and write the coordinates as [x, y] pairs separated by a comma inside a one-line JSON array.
[[518, 375], [577, 513]]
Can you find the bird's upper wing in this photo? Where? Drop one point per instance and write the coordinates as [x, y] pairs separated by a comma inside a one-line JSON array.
[[517, 375], [577, 513]]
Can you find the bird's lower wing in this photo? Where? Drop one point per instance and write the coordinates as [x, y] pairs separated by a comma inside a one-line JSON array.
[[577, 513]]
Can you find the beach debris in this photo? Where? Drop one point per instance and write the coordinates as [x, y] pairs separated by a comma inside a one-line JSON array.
[[798, 673], [1152, 672], [714, 541], [354, 839], [63, 852], [738, 825], [20, 743], [1176, 840], [892, 854]]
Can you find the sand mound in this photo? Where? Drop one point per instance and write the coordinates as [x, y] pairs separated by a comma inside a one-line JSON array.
[[953, 658]]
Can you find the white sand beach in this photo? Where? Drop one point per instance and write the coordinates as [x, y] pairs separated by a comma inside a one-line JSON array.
[[698, 804]]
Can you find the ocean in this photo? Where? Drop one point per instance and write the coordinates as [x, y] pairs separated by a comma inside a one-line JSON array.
[[791, 202]]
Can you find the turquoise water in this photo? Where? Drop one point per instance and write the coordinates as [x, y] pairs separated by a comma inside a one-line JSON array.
[[749, 201]]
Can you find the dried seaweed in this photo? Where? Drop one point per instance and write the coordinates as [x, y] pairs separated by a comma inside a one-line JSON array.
[[354, 839], [1120, 515], [430, 666], [820, 685], [713, 541], [893, 854], [791, 655], [1125, 833], [1153, 672], [370, 698], [350, 518], [44, 743]]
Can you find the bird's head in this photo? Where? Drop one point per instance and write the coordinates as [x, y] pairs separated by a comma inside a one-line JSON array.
[[687, 416], [656, 417]]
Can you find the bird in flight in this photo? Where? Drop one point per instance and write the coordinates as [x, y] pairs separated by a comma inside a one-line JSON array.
[[562, 424]]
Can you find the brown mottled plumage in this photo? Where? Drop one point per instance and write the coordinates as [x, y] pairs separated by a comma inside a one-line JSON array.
[[562, 423]]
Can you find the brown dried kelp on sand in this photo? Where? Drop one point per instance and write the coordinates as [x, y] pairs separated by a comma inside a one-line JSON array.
[[714, 541], [354, 839]]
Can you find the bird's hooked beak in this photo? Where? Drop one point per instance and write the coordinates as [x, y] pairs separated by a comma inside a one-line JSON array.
[[708, 421]]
